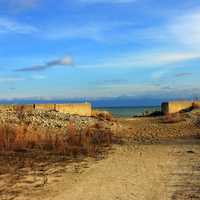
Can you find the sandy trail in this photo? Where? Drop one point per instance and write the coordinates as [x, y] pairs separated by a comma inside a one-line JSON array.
[[145, 172]]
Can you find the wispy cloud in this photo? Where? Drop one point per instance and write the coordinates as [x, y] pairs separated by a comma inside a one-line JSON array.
[[110, 82], [13, 79], [186, 28], [98, 31], [146, 60], [149, 90], [65, 61], [182, 30], [184, 74], [176, 30], [127, 89], [12, 26]]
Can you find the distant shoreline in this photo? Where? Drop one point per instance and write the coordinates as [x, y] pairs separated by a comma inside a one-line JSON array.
[[130, 111]]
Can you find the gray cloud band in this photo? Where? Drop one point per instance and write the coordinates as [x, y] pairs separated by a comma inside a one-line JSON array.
[[183, 74], [59, 62]]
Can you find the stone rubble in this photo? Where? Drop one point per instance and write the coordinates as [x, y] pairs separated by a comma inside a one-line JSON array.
[[45, 119]]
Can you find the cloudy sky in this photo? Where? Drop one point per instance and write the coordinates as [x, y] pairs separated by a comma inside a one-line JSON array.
[[99, 48]]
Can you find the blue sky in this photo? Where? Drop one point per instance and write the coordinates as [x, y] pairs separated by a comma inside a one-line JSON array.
[[99, 48]]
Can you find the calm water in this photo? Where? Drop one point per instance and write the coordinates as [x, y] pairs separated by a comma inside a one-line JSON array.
[[129, 111]]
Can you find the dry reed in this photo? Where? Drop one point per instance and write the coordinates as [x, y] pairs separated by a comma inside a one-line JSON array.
[[89, 140]]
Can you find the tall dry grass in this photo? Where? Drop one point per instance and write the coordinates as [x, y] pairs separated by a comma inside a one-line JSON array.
[[89, 140]]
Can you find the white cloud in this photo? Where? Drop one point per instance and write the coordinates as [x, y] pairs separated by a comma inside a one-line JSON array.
[[180, 30], [186, 29], [11, 26]]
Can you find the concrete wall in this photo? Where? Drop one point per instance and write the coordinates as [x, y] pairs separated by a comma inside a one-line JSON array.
[[84, 109], [177, 106], [44, 106], [75, 109]]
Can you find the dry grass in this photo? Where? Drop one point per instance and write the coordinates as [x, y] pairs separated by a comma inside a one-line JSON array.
[[23, 138], [29, 153]]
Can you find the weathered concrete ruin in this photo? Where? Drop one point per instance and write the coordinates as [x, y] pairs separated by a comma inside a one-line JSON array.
[[177, 106], [82, 109]]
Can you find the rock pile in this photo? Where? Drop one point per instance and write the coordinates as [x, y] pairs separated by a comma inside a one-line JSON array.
[[45, 119]]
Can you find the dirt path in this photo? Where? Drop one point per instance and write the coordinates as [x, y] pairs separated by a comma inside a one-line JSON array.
[[145, 172]]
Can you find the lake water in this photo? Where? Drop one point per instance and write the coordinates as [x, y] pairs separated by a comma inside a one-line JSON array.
[[129, 111]]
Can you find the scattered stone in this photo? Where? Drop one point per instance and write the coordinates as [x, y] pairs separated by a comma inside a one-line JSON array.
[[46, 119]]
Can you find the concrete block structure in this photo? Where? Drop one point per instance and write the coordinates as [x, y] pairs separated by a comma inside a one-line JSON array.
[[75, 109], [177, 106], [23, 107], [44, 106], [82, 109]]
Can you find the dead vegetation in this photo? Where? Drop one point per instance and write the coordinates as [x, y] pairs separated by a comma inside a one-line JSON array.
[[21, 141], [87, 141], [28, 155]]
